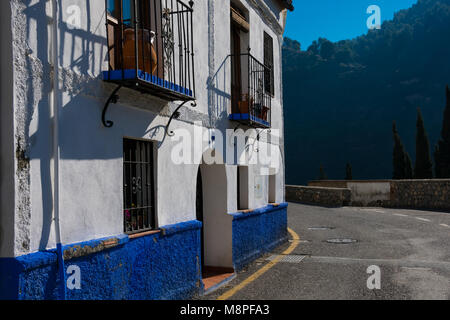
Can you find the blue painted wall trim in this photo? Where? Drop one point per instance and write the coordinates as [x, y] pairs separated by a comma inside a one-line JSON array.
[[160, 266], [258, 232]]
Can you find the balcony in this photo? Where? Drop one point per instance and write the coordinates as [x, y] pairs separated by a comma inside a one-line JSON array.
[[150, 47], [250, 101]]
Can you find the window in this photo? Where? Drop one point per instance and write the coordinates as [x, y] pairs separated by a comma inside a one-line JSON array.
[[268, 62], [138, 186], [242, 188], [272, 188], [239, 44]]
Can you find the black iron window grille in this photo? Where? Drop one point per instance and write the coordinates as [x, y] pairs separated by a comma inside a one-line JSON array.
[[251, 104], [150, 47], [138, 186]]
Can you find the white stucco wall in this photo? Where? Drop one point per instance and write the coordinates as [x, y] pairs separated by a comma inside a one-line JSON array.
[[370, 192], [91, 200]]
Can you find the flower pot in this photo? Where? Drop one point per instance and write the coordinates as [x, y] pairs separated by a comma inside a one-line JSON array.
[[243, 106], [147, 57]]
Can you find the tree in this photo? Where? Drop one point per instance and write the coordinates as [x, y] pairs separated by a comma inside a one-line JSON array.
[[442, 150], [327, 48], [348, 172], [409, 174], [402, 167], [322, 175], [314, 48], [292, 44], [424, 167]]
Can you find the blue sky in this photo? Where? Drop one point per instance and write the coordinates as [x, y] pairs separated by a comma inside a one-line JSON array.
[[336, 19]]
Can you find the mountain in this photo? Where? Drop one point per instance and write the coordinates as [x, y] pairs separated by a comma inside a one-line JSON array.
[[340, 99]]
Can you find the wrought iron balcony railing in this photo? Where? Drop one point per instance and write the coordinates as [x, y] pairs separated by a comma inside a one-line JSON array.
[[250, 104], [150, 47]]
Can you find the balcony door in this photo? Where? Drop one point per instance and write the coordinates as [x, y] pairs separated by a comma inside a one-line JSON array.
[[236, 74]]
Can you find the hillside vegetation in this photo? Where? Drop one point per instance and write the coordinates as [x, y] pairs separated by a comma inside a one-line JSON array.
[[341, 98]]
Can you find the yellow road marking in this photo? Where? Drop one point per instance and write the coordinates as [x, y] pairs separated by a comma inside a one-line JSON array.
[[260, 272]]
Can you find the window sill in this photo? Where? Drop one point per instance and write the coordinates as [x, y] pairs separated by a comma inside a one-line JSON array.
[[143, 234], [274, 204], [245, 210]]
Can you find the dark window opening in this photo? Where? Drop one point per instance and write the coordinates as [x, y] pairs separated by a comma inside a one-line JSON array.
[[242, 188], [272, 188], [236, 72], [199, 214], [138, 186], [268, 62]]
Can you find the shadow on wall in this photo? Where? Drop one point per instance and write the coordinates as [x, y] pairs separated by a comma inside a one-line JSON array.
[[80, 118], [219, 98], [87, 61], [40, 140]]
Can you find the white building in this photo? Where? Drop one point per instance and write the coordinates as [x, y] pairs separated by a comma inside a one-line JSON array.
[[137, 168]]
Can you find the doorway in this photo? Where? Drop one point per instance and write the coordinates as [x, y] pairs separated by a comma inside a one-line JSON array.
[[236, 81], [199, 215], [216, 232]]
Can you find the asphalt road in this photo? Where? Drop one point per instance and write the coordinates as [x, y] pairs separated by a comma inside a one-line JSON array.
[[411, 248]]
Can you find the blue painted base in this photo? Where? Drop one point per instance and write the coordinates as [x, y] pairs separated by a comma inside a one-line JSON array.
[[258, 232], [166, 265], [161, 266]]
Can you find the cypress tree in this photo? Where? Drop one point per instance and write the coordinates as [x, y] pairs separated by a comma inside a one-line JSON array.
[[399, 158], [438, 163], [408, 167], [348, 172], [424, 167], [442, 150], [323, 175]]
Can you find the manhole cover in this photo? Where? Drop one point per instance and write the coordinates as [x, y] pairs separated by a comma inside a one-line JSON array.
[[320, 228], [341, 241]]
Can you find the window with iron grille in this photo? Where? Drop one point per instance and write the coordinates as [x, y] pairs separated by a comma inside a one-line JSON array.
[[138, 186], [268, 62]]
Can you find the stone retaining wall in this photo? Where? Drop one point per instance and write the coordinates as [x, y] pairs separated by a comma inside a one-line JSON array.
[[332, 197], [415, 194], [421, 194]]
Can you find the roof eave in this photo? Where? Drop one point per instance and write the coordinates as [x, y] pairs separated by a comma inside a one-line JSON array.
[[287, 4]]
